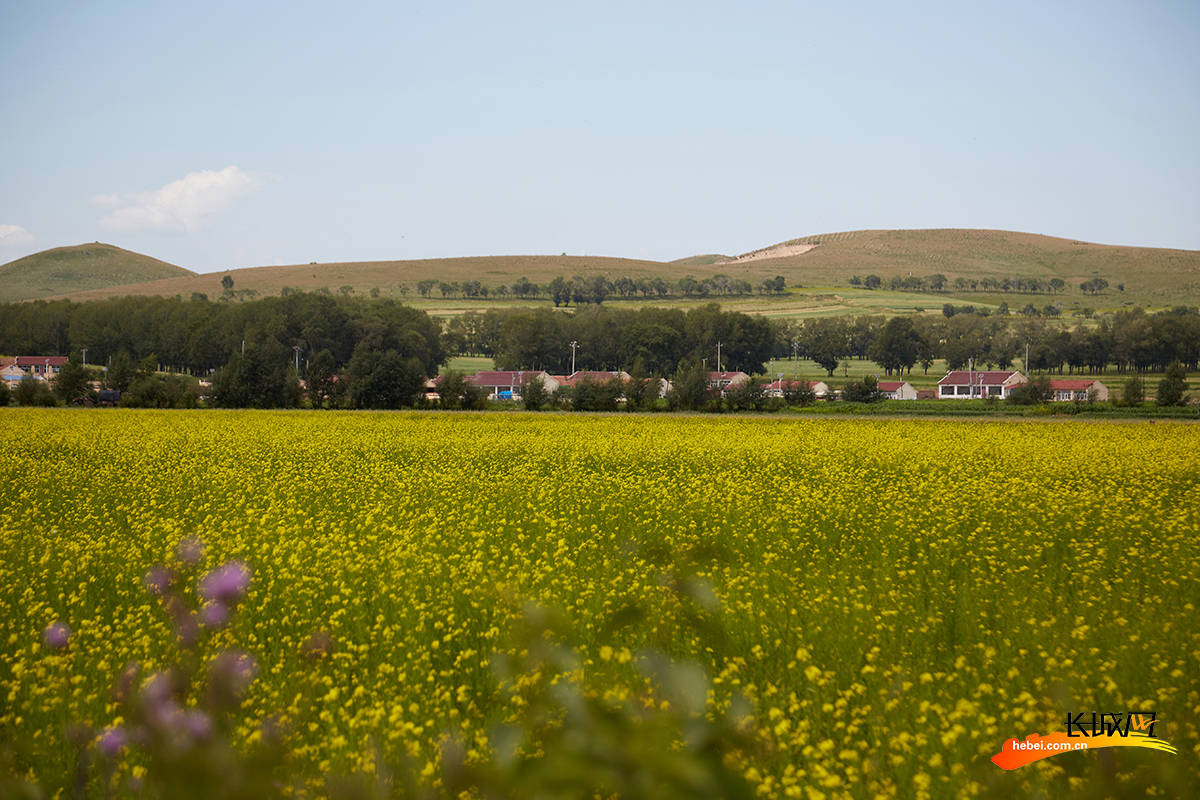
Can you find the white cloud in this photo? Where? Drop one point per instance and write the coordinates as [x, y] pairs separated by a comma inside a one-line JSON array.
[[180, 205], [14, 236]]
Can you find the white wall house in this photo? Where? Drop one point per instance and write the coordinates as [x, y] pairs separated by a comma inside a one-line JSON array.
[[963, 384], [897, 390]]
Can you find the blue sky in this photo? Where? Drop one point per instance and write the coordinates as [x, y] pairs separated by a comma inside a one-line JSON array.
[[217, 135]]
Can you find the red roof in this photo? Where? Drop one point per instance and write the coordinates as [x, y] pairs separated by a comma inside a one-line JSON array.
[[726, 376], [890, 386], [507, 377], [962, 377], [1073, 384], [591, 375], [37, 361]]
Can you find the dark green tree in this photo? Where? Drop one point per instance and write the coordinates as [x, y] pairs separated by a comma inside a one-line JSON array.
[[1133, 393], [863, 391], [258, 378], [71, 383], [1172, 389], [121, 371], [383, 379], [534, 394], [689, 388], [322, 377], [897, 347]]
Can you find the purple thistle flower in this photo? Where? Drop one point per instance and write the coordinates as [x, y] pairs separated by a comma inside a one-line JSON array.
[[214, 615], [112, 741], [56, 635], [198, 724], [158, 579], [190, 551], [227, 583], [233, 671]]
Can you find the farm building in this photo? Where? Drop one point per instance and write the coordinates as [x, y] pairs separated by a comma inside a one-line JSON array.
[[44, 367], [723, 380], [11, 374], [507, 384], [897, 390], [1068, 389], [589, 375], [962, 384], [778, 387]]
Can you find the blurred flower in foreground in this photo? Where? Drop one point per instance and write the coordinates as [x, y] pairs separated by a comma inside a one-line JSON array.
[[56, 635], [227, 583]]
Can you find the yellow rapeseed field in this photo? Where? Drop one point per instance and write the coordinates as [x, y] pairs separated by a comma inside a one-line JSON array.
[[896, 598]]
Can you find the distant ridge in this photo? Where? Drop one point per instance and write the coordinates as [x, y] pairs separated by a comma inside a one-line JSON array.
[[68, 270], [1154, 276]]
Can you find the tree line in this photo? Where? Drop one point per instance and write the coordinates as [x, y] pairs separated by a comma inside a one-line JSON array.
[[365, 353], [1128, 341], [598, 288], [940, 283]]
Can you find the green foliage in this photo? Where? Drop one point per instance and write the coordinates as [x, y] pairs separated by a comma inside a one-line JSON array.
[[121, 371], [569, 742], [897, 346], [257, 378], [593, 395], [322, 379], [5, 394], [33, 392], [71, 383], [161, 391], [534, 394], [745, 396], [383, 379], [1036, 392], [1172, 389], [862, 391], [799, 393], [689, 388], [1133, 393]]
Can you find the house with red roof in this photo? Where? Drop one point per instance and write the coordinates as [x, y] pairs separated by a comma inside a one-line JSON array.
[[723, 380], [507, 384], [965, 384], [897, 390], [595, 376], [44, 367], [1064, 390], [776, 388]]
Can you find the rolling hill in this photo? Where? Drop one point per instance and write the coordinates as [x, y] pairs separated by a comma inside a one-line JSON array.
[[1151, 276], [71, 270]]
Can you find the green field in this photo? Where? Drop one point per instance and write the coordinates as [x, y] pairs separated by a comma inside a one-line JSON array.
[[892, 599]]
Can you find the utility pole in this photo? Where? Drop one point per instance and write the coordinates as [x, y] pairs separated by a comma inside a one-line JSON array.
[[718, 356], [574, 344], [296, 350], [84, 350]]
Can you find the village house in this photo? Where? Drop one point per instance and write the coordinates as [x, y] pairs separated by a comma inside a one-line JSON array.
[[44, 367], [11, 374], [962, 384], [897, 390], [589, 375], [721, 381], [776, 388], [1064, 390], [507, 384]]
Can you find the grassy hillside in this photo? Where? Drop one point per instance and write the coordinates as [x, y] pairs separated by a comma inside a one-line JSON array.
[[1155, 273], [1151, 277], [71, 270]]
